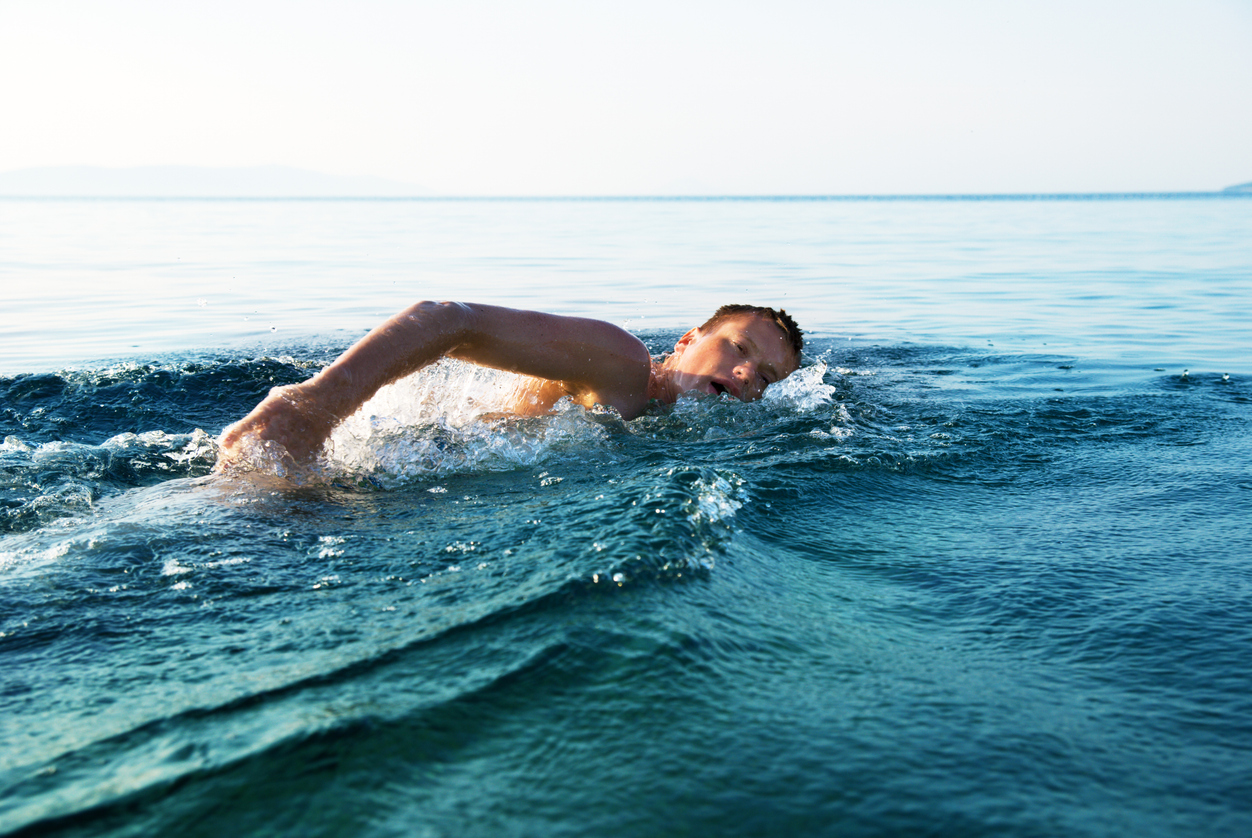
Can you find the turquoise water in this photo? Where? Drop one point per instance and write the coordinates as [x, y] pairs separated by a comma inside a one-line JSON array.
[[1162, 282], [980, 569]]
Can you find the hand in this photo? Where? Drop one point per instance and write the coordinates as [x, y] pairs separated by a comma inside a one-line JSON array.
[[288, 423]]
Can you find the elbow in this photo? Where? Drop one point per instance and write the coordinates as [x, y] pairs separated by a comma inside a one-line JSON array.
[[431, 309], [444, 312], [443, 324]]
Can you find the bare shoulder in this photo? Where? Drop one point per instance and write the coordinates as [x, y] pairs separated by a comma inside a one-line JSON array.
[[591, 360]]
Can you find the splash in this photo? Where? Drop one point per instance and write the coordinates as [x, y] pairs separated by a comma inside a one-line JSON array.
[[454, 418], [50, 480], [718, 496], [451, 418], [805, 390]]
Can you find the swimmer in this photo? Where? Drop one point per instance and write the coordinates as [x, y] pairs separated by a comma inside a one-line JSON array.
[[740, 350]]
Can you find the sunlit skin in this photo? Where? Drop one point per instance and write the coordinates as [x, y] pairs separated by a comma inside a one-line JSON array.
[[741, 356], [588, 361]]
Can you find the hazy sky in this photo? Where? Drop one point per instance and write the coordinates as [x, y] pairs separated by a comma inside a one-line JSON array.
[[641, 97]]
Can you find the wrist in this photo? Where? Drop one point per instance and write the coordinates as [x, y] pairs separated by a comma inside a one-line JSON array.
[[329, 392]]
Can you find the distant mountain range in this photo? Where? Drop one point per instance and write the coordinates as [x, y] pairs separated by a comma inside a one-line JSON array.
[[195, 182], [240, 182]]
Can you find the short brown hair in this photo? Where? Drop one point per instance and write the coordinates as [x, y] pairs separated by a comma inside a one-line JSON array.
[[779, 318]]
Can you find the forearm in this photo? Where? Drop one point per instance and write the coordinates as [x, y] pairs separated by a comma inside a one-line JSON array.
[[300, 417], [408, 341]]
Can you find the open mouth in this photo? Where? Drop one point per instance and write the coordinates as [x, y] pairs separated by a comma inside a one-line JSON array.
[[718, 388]]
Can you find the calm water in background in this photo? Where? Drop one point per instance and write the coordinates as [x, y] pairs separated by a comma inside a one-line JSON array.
[[981, 569], [1163, 280]]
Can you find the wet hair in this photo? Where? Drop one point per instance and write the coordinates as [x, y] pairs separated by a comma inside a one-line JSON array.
[[779, 318]]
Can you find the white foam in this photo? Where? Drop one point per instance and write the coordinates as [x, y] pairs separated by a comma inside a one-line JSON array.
[[451, 418], [804, 390], [718, 497]]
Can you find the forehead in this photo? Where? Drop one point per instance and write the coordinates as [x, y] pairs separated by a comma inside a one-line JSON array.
[[766, 336]]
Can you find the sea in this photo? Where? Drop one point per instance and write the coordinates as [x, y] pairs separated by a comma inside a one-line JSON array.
[[982, 567]]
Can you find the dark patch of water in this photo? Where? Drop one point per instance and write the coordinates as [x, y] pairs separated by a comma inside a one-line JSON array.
[[928, 593]]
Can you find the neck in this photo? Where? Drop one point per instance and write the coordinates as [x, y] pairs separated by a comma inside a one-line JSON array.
[[661, 385]]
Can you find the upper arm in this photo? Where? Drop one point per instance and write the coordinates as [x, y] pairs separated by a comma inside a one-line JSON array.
[[592, 359]]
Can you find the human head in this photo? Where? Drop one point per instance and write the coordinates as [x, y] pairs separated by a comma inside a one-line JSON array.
[[780, 318], [740, 350]]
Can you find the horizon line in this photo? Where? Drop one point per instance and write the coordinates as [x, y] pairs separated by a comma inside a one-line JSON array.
[[983, 196]]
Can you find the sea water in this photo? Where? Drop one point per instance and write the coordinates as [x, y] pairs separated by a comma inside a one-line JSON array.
[[980, 568]]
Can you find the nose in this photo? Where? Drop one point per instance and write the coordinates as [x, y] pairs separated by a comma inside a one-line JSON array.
[[746, 373]]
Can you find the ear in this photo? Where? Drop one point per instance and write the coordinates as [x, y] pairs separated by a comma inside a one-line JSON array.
[[686, 340]]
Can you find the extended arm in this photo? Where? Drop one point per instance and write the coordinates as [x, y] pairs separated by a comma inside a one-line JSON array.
[[593, 360]]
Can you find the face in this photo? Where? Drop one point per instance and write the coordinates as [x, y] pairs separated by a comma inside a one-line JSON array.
[[742, 355]]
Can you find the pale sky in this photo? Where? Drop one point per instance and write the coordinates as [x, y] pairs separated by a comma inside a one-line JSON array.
[[544, 97]]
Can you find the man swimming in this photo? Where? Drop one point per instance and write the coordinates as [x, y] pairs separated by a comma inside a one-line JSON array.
[[740, 350]]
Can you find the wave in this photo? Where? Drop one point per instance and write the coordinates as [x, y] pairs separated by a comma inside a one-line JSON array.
[[175, 638]]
